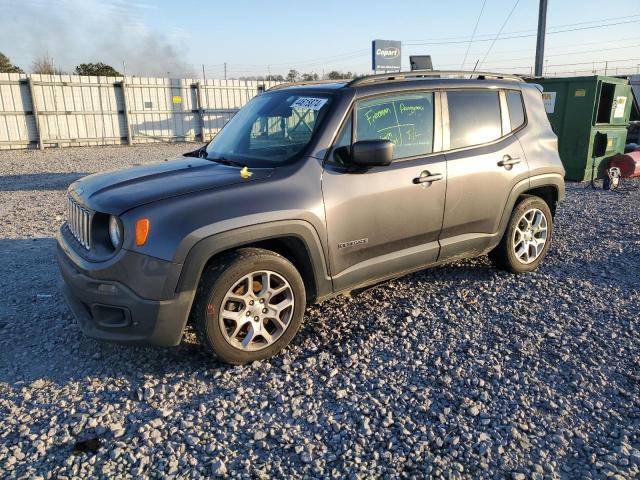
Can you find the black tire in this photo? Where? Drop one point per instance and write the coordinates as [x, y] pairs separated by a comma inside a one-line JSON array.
[[504, 255], [219, 278]]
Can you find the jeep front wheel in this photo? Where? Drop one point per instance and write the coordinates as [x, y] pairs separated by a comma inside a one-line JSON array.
[[527, 238], [249, 305]]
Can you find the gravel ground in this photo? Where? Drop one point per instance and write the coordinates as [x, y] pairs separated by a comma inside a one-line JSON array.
[[459, 371]]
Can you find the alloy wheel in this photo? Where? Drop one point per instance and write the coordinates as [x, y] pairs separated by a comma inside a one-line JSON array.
[[530, 236], [256, 310]]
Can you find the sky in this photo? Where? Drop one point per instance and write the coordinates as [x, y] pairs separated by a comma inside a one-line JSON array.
[[183, 38]]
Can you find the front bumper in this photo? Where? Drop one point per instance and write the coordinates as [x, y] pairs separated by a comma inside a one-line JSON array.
[[108, 309]]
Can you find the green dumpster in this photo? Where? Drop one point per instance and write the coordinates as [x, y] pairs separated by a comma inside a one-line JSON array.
[[578, 108]]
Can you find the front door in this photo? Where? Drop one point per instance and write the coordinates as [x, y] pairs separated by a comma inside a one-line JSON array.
[[384, 220]]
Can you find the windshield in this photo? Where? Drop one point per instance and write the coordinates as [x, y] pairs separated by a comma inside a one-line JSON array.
[[270, 130]]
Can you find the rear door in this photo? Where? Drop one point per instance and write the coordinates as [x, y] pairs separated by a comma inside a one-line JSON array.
[[484, 162], [384, 220]]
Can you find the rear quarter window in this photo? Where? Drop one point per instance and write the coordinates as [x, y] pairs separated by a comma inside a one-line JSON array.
[[516, 109]]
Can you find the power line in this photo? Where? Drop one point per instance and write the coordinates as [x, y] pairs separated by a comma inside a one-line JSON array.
[[558, 48], [248, 71], [473, 34], [506, 20], [336, 59], [574, 64], [557, 54], [601, 61], [350, 55], [614, 41], [361, 52], [629, 70], [525, 36], [489, 36]]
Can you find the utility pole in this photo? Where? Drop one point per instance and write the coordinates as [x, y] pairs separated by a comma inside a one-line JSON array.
[[124, 69], [204, 75], [225, 70], [606, 67], [542, 29]]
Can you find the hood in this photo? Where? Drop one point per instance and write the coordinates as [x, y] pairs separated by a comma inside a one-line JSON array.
[[120, 190]]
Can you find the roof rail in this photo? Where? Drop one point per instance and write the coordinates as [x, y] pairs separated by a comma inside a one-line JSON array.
[[308, 82], [386, 77]]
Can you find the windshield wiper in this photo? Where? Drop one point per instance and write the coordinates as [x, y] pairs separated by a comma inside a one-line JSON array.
[[225, 161]]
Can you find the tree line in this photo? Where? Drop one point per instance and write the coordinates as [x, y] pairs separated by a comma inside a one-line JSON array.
[[45, 65], [295, 76]]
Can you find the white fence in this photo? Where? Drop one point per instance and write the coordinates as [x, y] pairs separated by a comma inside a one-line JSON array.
[[68, 110]]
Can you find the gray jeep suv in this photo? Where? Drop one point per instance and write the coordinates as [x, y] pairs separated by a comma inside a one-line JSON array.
[[312, 190]]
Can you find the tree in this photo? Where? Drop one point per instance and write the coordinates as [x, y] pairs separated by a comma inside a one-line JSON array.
[[336, 75], [97, 69], [6, 66], [45, 66], [308, 77], [293, 75]]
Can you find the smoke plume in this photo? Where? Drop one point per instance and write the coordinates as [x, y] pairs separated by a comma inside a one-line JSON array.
[[82, 31]]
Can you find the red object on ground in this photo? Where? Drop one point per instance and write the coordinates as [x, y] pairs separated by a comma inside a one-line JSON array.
[[628, 163]]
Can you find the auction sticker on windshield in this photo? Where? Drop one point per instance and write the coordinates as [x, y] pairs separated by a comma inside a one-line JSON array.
[[309, 103]]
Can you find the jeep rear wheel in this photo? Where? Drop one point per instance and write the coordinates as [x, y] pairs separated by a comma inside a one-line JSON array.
[[249, 305], [527, 238]]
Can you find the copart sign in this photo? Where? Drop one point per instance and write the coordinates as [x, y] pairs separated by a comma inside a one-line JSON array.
[[386, 55]]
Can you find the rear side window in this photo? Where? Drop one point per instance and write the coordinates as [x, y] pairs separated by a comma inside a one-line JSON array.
[[406, 120], [516, 109], [474, 117]]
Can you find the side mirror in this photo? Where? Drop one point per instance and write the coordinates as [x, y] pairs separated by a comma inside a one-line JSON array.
[[372, 153], [599, 144]]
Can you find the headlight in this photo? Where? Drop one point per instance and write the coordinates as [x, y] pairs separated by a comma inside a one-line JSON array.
[[115, 232]]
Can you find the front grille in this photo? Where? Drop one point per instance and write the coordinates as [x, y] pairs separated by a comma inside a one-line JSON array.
[[79, 222]]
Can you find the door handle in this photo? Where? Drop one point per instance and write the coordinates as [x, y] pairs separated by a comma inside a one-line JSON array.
[[508, 161], [426, 177]]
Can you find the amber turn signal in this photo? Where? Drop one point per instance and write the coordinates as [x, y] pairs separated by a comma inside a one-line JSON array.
[[142, 231]]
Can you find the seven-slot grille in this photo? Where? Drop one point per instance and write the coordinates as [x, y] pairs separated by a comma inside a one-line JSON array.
[[79, 222]]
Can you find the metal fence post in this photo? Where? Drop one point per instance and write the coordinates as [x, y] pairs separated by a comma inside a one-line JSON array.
[[125, 104], [200, 109], [34, 108]]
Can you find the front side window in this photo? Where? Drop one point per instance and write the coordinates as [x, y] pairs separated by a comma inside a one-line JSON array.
[[342, 146], [271, 129], [474, 117], [406, 120]]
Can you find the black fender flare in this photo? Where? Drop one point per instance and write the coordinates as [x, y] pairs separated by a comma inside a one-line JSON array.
[[554, 180], [208, 247]]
